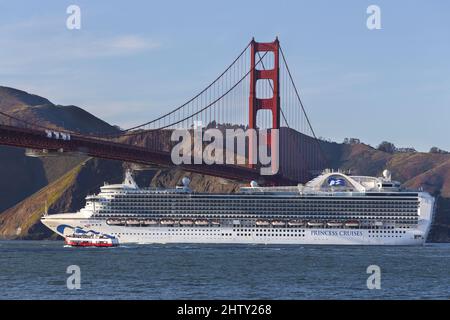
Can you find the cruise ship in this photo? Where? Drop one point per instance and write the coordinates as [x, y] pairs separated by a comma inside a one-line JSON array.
[[332, 209]]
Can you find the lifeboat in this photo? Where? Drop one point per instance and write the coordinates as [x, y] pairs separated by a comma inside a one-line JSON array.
[[378, 223], [167, 222], [315, 224], [334, 224], [262, 223], [296, 223], [133, 222], [278, 223], [201, 222], [352, 223], [186, 222], [83, 240], [215, 222], [150, 222], [114, 222]]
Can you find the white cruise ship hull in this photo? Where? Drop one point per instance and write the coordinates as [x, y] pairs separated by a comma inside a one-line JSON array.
[[244, 235]]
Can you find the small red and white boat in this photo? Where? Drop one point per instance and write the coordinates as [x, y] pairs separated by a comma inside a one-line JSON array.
[[83, 240]]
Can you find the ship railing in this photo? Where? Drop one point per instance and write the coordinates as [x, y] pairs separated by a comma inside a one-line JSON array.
[[332, 193]]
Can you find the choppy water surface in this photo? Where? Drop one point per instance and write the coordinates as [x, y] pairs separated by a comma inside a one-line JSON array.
[[37, 270]]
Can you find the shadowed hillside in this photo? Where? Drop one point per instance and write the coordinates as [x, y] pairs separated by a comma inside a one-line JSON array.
[[21, 176]]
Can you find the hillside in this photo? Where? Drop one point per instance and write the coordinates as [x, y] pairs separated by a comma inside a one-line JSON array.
[[20, 220], [37, 109], [414, 170], [21, 176]]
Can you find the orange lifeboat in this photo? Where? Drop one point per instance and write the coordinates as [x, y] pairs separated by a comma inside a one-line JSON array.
[[150, 222], [352, 224], [186, 222], [334, 224], [296, 223], [262, 223], [133, 222], [315, 224], [166, 222], [278, 223], [201, 222]]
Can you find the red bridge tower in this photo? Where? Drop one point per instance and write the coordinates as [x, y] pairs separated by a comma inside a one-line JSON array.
[[272, 103]]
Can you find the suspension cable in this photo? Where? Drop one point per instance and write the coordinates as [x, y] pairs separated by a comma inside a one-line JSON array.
[[301, 105], [198, 111], [297, 94], [193, 98]]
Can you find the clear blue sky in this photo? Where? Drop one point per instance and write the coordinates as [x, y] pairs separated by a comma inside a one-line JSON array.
[[134, 60]]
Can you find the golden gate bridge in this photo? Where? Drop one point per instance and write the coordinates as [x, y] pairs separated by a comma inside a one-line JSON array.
[[255, 91]]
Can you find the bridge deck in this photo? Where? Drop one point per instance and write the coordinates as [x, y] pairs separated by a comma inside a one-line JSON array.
[[36, 139]]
